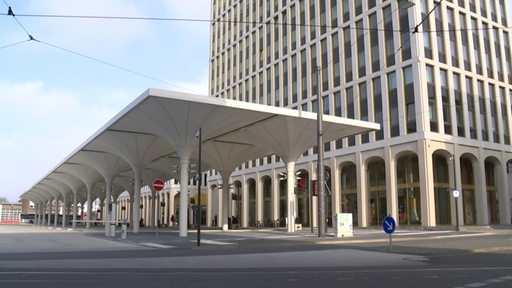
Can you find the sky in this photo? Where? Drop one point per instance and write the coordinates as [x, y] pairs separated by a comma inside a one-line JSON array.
[[60, 88], [54, 94]]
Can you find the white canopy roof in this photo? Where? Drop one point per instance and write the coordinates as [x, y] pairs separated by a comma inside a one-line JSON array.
[[154, 132]]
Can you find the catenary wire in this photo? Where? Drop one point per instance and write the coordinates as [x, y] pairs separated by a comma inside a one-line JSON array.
[[31, 38]]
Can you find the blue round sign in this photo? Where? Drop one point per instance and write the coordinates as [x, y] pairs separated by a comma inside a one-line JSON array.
[[388, 224]]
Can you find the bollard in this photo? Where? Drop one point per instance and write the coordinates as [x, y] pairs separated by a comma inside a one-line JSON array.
[[113, 229], [123, 230]]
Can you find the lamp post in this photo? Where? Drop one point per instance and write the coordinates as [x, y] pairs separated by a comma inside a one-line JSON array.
[[455, 194], [199, 180], [320, 147]]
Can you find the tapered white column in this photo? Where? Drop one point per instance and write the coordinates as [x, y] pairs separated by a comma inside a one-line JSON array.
[[224, 212], [183, 218], [290, 183]]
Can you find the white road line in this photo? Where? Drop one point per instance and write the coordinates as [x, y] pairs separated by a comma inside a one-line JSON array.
[[216, 242], [156, 245]]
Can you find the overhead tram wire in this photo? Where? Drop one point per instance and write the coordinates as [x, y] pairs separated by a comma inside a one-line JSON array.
[[11, 13], [14, 44], [31, 38], [135, 18]]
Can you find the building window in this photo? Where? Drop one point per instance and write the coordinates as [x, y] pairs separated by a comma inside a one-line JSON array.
[[464, 41], [335, 60], [388, 35], [334, 13], [363, 109], [487, 50], [494, 114], [459, 114], [294, 80], [427, 43], [441, 54], [505, 117], [345, 6], [470, 96], [304, 74], [445, 100], [312, 21], [393, 105], [374, 43], [349, 94], [476, 46], [377, 108], [405, 34], [337, 104], [302, 20], [410, 108], [348, 54], [325, 70], [453, 41], [432, 103], [361, 61], [483, 111], [314, 69], [285, 84]]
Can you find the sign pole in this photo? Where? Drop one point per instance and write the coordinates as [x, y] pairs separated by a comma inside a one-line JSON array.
[[389, 225], [158, 185]]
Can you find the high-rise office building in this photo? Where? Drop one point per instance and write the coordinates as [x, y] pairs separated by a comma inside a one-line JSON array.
[[437, 76]]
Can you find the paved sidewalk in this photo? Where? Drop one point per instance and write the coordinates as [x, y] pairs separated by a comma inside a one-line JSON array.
[[403, 241]]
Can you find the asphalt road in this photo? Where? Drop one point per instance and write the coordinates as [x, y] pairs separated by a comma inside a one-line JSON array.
[[41, 257]]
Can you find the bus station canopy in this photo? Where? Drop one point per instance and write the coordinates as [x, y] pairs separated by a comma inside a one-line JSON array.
[[158, 132]]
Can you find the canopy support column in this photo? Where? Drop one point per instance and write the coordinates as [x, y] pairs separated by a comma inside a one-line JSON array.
[[183, 216], [290, 179]]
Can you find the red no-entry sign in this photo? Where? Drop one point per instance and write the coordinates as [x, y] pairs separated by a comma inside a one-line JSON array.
[[158, 184]]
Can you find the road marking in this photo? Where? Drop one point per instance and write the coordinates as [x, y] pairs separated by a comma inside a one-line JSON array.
[[216, 242], [156, 245]]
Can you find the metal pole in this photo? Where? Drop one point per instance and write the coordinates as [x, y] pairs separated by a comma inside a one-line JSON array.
[[199, 192], [455, 198], [320, 169]]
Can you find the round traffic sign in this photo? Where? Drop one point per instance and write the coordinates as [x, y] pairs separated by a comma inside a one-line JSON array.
[[388, 224], [158, 184]]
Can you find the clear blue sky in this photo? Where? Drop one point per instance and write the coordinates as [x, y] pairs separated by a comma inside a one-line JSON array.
[[52, 100]]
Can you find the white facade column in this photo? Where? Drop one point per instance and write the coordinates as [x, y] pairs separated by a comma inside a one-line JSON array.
[[428, 211], [183, 218], [290, 181], [391, 186], [504, 193], [335, 186], [362, 191], [482, 207]]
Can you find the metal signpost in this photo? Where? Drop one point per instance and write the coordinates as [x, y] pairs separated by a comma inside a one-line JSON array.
[[158, 185], [389, 226]]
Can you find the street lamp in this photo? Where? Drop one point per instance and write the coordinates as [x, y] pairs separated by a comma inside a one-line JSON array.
[[320, 147], [199, 180]]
